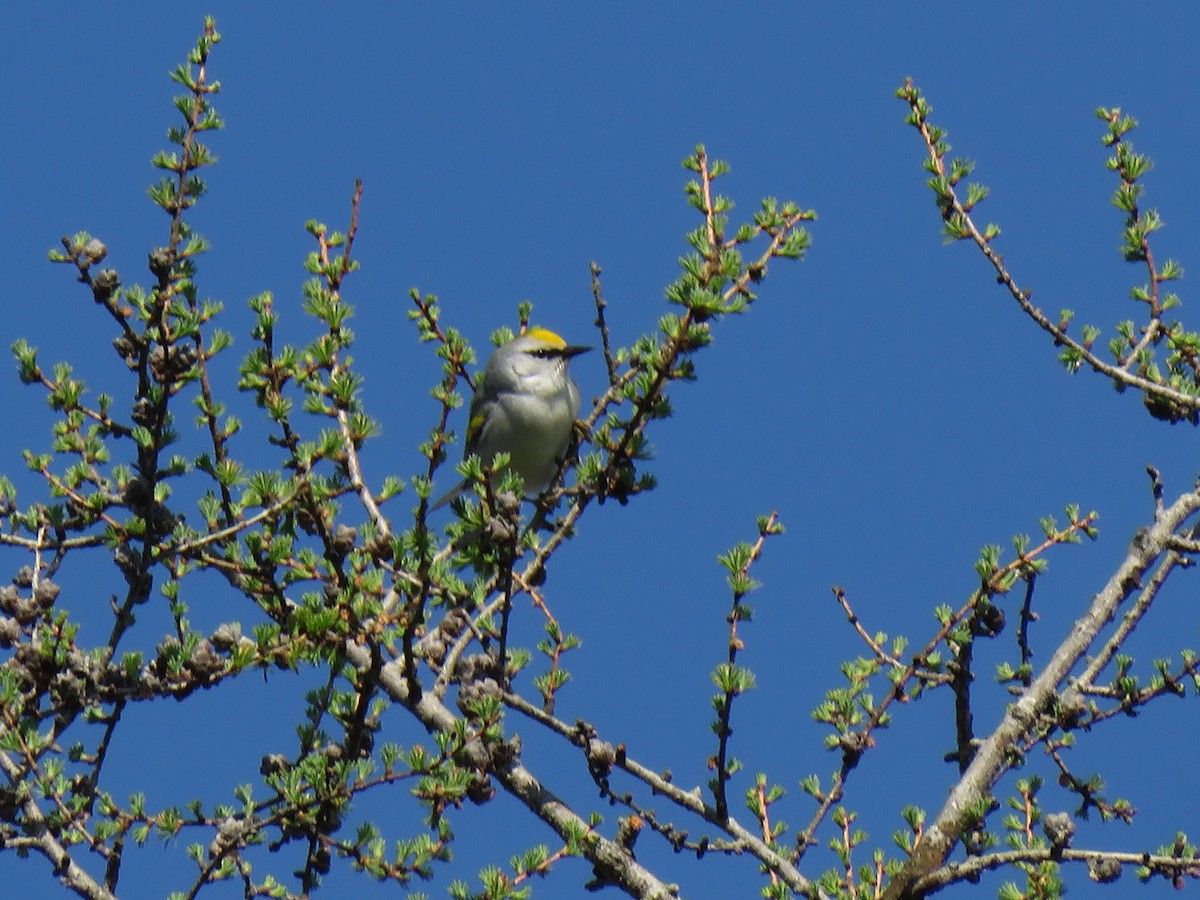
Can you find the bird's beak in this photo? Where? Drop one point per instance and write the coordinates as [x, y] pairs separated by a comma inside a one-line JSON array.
[[573, 351]]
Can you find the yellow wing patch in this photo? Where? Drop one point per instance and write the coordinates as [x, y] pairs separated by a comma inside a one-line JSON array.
[[474, 427]]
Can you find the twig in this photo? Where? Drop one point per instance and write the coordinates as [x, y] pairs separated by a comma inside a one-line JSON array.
[[598, 295], [1118, 373], [840, 594]]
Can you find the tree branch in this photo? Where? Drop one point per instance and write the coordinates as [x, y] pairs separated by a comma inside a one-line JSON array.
[[993, 759]]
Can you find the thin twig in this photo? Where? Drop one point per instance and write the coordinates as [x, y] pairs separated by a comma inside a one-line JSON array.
[[610, 363]]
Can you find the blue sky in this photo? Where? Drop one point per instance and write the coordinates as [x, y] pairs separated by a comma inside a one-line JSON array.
[[885, 396]]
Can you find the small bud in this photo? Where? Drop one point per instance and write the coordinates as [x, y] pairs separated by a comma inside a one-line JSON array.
[[453, 623], [432, 649], [105, 284], [227, 636], [142, 412], [10, 632], [508, 502], [125, 347], [988, 621], [161, 520], [480, 790], [229, 834], [628, 829], [204, 662], [136, 492], [9, 598], [343, 540], [94, 250], [46, 593], [600, 756], [26, 611], [160, 262], [974, 842], [854, 743], [1059, 829], [83, 786], [1104, 871], [273, 763], [366, 744]]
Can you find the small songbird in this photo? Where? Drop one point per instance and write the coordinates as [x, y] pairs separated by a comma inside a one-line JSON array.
[[525, 405]]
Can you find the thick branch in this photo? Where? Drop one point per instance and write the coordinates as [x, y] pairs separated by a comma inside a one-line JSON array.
[[614, 864], [993, 757], [42, 839], [959, 871]]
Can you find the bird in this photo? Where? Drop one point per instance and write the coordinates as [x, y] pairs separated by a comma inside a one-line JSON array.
[[525, 404]]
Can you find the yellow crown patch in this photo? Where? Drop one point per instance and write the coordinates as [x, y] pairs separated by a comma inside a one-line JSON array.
[[548, 336]]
